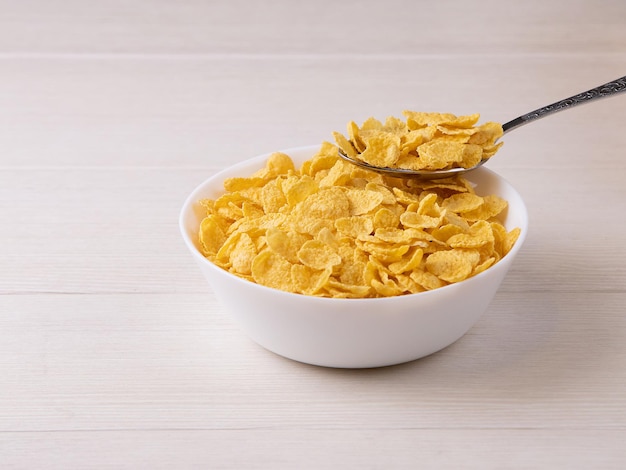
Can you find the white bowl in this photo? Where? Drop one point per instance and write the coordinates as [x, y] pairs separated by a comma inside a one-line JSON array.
[[353, 333]]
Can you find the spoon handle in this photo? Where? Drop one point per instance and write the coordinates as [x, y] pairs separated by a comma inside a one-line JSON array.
[[602, 91]]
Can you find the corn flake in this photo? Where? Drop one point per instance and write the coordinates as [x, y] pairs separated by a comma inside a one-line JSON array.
[[452, 265], [271, 270], [318, 255]]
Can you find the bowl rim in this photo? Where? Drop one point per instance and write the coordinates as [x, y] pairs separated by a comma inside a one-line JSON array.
[[192, 198]]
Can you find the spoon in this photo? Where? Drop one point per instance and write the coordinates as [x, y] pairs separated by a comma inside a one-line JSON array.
[[603, 91]]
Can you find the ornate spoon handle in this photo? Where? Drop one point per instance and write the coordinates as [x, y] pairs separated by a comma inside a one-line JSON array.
[[602, 91]]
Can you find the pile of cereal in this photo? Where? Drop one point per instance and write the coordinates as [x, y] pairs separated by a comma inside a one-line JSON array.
[[425, 141], [332, 229]]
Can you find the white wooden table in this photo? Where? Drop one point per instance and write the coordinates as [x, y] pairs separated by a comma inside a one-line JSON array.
[[113, 351]]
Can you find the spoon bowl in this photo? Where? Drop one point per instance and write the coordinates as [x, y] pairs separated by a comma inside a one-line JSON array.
[[413, 174], [603, 91]]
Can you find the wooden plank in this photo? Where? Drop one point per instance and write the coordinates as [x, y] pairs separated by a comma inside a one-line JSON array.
[[150, 361], [198, 112], [285, 27], [115, 230], [318, 449]]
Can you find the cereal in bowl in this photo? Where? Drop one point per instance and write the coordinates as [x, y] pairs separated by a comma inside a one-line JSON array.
[[331, 229]]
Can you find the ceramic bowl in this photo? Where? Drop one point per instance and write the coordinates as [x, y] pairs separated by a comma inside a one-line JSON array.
[[352, 333]]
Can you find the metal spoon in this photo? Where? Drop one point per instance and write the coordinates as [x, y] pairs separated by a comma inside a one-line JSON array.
[[603, 91]]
